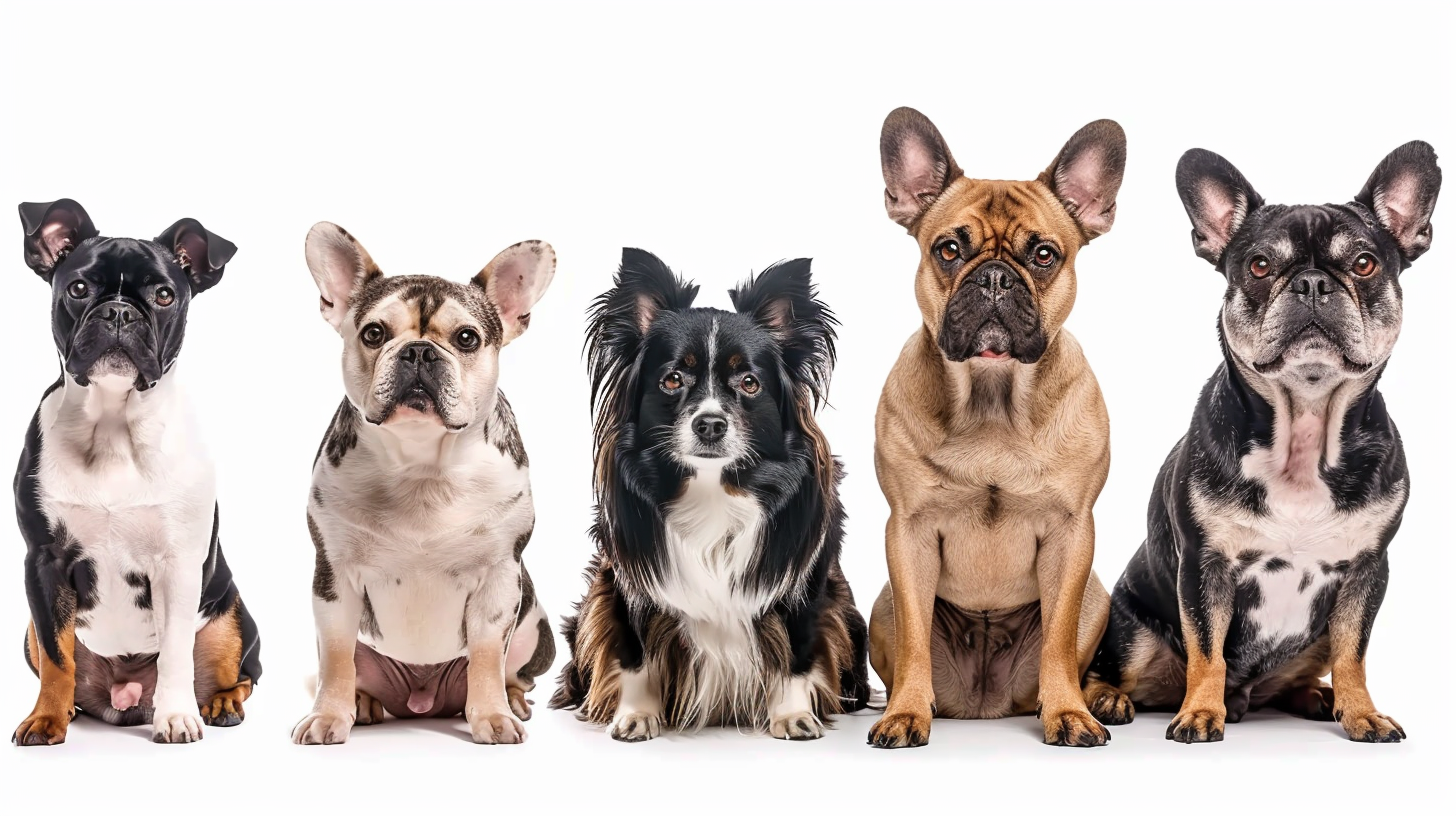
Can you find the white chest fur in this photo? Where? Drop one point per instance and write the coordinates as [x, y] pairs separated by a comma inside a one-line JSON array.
[[712, 537], [1302, 541], [418, 539]]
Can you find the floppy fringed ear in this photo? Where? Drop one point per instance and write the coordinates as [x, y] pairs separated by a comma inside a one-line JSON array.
[[617, 324], [784, 300]]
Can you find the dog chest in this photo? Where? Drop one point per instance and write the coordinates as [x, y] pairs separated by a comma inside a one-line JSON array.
[[711, 539]]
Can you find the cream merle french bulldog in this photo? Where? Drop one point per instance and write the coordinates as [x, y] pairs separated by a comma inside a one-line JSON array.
[[421, 502]]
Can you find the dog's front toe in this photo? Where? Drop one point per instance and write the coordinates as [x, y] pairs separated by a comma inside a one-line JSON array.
[[636, 726], [224, 710], [41, 729], [1196, 725], [520, 706], [367, 710], [802, 725], [1073, 729], [901, 730], [176, 728], [497, 728], [1371, 727], [1109, 705], [322, 728]]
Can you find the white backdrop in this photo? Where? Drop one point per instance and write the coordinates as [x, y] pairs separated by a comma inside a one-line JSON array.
[[722, 137]]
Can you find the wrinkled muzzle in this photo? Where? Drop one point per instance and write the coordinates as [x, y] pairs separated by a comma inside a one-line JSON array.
[[993, 313], [111, 334]]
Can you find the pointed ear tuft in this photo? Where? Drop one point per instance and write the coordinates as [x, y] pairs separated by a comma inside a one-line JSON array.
[[1218, 200], [52, 229], [916, 163], [783, 300], [201, 254], [1087, 173], [340, 266], [1402, 193], [514, 280]]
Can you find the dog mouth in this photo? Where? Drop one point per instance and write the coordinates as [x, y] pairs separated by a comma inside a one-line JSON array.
[[991, 342], [1311, 340]]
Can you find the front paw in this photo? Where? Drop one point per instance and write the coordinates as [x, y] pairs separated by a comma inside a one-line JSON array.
[[801, 725], [174, 728], [1074, 728], [41, 729], [367, 710], [1109, 705], [902, 730], [520, 706], [636, 726], [1371, 727], [497, 728], [224, 710], [1196, 725], [322, 728]]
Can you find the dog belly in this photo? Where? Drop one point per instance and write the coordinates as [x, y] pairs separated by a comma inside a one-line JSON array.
[[412, 689], [416, 620], [988, 567], [985, 663]]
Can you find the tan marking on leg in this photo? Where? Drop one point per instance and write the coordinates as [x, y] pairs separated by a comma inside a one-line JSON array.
[[1201, 717], [882, 638], [55, 706], [217, 656], [1064, 575]]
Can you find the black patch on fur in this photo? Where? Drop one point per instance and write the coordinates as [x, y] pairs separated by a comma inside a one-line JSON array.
[[323, 571], [368, 623], [342, 436], [1277, 565], [528, 596], [429, 293], [143, 585], [543, 657], [523, 539], [504, 434]]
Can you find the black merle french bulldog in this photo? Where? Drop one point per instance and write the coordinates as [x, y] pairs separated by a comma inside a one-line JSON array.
[[1265, 561], [134, 614]]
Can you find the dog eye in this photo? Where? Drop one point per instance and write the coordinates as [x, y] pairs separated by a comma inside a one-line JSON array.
[[373, 335], [1260, 267], [1044, 255], [672, 382], [467, 340], [1366, 265], [164, 296], [949, 251], [79, 289], [749, 384]]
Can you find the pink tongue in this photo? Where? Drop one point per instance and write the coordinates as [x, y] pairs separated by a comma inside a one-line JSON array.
[[995, 355], [421, 701], [125, 695]]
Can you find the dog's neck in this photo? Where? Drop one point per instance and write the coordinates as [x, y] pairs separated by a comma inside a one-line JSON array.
[[992, 391], [111, 420], [423, 448]]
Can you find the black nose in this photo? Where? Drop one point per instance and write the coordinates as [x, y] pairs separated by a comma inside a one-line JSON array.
[[710, 427], [419, 352], [1312, 287], [994, 275], [119, 313]]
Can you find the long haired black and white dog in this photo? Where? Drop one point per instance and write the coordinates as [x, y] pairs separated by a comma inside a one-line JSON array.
[[716, 596]]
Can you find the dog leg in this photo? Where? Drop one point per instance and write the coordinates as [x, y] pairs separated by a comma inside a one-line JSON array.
[[533, 649], [791, 709], [914, 556], [218, 656], [1350, 623], [1126, 650], [55, 706], [336, 621], [1063, 568], [639, 708], [1205, 600], [176, 593], [490, 619]]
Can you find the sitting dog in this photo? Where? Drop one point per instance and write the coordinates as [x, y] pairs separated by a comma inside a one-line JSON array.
[[715, 596], [1265, 560], [421, 502], [991, 443], [134, 615]]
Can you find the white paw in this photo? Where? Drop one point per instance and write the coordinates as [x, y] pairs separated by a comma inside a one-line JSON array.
[[636, 726], [800, 725], [322, 728], [497, 728], [180, 726]]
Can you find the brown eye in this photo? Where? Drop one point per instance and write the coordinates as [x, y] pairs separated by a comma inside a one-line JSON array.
[[949, 251], [79, 289], [749, 384], [373, 335], [1260, 267], [467, 340], [1044, 256], [1366, 265], [164, 296], [672, 382]]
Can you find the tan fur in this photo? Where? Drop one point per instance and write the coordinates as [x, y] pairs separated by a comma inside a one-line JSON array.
[[217, 656], [55, 706], [991, 469]]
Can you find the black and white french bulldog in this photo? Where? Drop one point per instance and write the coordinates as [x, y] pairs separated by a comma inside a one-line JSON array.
[[421, 502], [1265, 561], [134, 615]]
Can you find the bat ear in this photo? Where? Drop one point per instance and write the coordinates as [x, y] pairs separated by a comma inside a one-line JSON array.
[[52, 229], [1087, 174], [340, 266], [514, 280], [1402, 193], [1218, 200], [201, 254], [916, 163]]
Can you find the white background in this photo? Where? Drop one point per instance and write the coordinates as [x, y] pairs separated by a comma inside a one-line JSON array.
[[722, 137]]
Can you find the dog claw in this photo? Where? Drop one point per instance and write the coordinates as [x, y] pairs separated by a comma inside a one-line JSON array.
[[1076, 729], [900, 731], [636, 727], [1199, 725], [41, 730], [1372, 727], [802, 725]]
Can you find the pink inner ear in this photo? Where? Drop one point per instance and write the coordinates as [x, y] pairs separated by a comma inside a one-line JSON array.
[[1396, 201], [1220, 212], [56, 236], [918, 174], [646, 312]]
